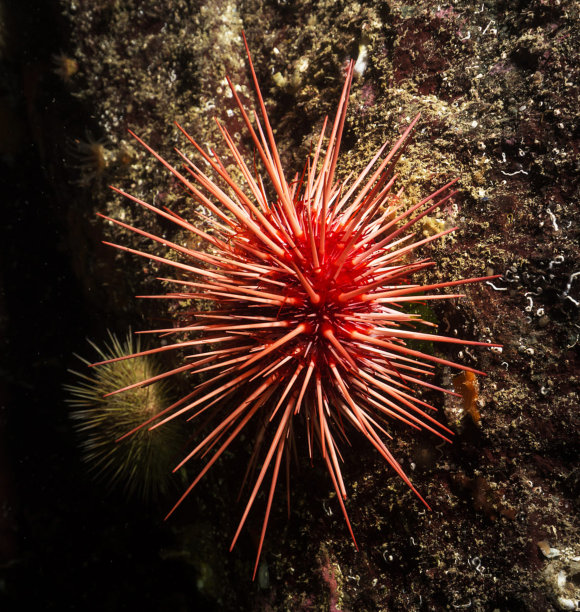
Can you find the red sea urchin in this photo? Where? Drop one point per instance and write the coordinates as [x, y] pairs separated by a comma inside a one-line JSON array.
[[308, 285]]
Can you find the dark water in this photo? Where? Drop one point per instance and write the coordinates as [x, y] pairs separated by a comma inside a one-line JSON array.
[[64, 544]]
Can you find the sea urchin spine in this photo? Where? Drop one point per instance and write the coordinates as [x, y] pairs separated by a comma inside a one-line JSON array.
[[308, 279]]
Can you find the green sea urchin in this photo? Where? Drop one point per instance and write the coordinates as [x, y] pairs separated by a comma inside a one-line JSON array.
[[141, 466]]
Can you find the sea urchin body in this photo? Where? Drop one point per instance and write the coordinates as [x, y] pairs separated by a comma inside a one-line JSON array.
[[140, 466], [307, 282]]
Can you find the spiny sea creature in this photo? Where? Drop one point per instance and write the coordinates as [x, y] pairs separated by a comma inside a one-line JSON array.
[[64, 66], [92, 158], [307, 281], [142, 465]]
